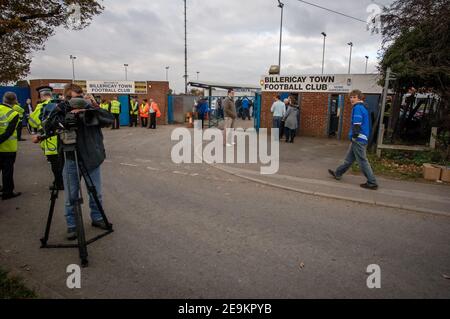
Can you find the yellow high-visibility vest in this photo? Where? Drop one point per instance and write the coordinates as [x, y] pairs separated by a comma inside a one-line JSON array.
[[7, 114], [18, 109], [115, 107], [134, 108], [50, 145], [104, 106]]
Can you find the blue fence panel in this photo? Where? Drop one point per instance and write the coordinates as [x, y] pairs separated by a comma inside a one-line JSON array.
[[22, 93], [170, 116], [257, 112], [125, 110]]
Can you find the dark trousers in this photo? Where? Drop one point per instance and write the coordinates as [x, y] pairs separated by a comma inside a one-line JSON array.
[[57, 165], [133, 120], [7, 168], [281, 129], [116, 124], [153, 120], [290, 134], [144, 121], [19, 131], [246, 114], [201, 117]]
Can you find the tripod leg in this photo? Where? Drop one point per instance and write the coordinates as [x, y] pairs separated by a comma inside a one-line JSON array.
[[93, 192], [80, 234], [53, 197]]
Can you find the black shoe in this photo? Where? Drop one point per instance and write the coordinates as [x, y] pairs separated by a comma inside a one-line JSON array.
[[332, 173], [71, 234], [10, 195], [100, 224], [58, 188], [369, 186]]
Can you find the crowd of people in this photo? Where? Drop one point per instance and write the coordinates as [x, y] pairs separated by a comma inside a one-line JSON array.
[[144, 112], [243, 107]]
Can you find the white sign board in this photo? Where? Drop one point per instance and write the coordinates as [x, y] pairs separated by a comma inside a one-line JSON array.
[[57, 86], [338, 83], [110, 87]]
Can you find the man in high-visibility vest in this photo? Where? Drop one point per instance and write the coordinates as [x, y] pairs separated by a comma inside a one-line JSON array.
[[115, 109], [134, 111], [143, 113], [21, 111], [50, 145], [9, 120], [104, 105]]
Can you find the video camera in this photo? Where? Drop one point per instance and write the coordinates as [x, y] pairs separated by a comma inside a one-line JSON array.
[[61, 122], [68, 134]]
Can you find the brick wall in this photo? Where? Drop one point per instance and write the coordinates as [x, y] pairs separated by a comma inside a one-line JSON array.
[[314, 114], [347, 117]]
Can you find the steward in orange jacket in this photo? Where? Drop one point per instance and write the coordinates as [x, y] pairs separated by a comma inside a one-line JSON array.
[[143, 113], [154, 113]]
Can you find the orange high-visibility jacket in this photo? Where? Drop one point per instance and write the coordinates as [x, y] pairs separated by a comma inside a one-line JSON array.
[[156, 109], [143, 110]]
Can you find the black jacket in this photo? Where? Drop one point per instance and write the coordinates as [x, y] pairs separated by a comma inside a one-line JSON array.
[[90, 148]]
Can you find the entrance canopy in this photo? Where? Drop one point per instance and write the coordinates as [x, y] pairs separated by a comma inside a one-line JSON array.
[[225, 86]]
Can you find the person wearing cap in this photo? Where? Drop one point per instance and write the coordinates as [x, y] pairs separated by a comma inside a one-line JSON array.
[[9, 120], [115, 109], [230, 117], [50, 145]]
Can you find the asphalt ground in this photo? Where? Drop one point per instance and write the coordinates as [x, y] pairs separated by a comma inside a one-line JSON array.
[[192, 231]]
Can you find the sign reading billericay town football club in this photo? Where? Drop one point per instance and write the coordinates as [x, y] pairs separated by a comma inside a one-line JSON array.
[[337, 83], [306, 83], [110, 87]]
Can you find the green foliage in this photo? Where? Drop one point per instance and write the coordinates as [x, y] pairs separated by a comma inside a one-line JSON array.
[[403, 164], [25, 26], [13, 287]]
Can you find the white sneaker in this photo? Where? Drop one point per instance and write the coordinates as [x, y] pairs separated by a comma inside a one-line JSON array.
[[229, 145]]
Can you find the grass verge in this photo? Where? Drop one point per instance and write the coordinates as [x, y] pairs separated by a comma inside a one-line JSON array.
[[401, 164], [12, 287]]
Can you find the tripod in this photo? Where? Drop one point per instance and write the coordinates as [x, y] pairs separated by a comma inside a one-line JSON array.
[[76, 204]]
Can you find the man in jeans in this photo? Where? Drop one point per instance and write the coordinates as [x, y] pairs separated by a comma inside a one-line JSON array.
[[359, 135], [90, 151], [278, 110], [229, 110]]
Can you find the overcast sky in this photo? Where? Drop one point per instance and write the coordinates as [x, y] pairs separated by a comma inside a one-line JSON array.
[[228, 41]]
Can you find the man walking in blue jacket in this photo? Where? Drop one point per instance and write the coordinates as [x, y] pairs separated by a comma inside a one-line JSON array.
[[359, 135]]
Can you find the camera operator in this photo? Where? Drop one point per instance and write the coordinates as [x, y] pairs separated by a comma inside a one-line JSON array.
[[75, 113]]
